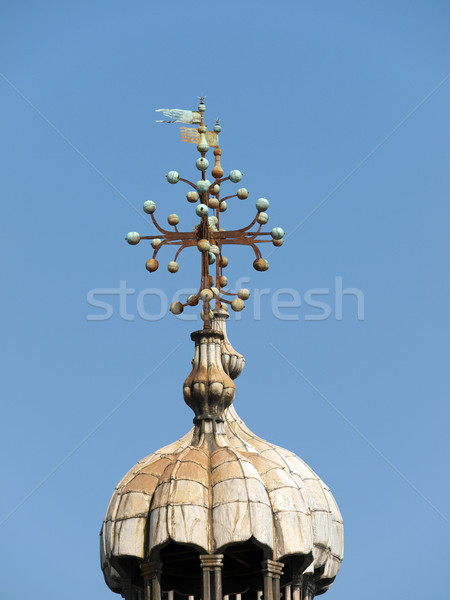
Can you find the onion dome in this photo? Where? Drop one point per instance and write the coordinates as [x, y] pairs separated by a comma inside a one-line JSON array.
[[220, 503]]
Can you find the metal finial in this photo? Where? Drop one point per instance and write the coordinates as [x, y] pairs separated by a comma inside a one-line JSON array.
[[208, 237]]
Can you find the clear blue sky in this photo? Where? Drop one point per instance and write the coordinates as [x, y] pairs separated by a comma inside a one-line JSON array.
[[305, 92]]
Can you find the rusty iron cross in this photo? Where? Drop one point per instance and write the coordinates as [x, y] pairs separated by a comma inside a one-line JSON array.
[[207, 235]]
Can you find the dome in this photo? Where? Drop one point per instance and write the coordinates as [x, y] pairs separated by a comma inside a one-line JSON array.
[[222, 490]]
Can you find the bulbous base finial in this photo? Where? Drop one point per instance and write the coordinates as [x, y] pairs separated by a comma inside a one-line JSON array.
[[208, 390]]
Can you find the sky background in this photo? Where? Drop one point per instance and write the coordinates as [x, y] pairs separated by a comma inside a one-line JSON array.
[[306, 93]]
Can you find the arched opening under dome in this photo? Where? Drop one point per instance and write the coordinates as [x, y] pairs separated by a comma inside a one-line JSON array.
[[239, 568], [182, 572], [130, 575], [181, 569], [242, 570]]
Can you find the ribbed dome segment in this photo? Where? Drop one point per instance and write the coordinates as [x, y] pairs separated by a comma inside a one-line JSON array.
[[326, 521]]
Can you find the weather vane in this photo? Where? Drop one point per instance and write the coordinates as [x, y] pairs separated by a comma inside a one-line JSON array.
[[207, 236]]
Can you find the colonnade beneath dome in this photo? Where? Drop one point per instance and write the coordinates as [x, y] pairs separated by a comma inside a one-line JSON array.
[[210, 584]]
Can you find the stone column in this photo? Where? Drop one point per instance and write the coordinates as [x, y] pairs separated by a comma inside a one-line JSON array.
[[151, 571], [296, 586], [211, 576], [309, 590], [272, 571]]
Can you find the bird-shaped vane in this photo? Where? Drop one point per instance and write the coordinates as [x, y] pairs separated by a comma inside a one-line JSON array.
[[208, 237], [177, 115]]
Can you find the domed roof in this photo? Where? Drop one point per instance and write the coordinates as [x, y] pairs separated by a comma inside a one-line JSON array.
[[222, 485]]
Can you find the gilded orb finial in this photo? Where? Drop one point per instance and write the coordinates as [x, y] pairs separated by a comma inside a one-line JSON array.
[[208, 236]]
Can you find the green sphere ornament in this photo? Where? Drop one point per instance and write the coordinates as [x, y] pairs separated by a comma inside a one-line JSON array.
[[235, 176], [202, 164], [133, 238], [149, 207], [262, 204], [203, 186], [277, 233], [173, 177], [202, 210]]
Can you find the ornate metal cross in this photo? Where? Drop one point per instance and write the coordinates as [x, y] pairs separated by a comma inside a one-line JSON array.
[[207, 235]]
